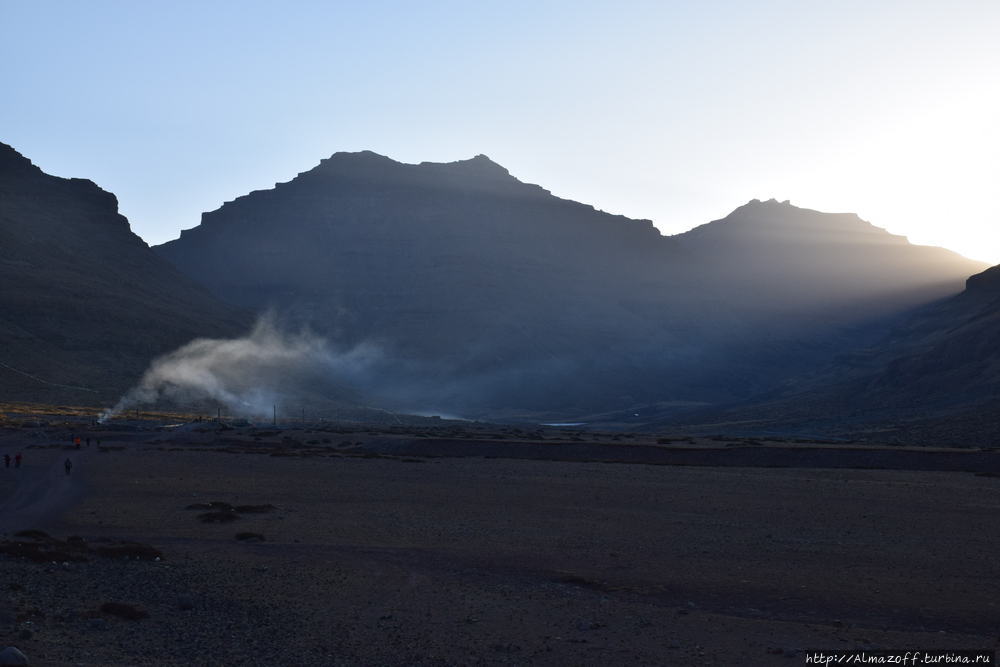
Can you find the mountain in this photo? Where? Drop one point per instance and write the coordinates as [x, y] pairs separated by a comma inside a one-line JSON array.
[[933, 377], [947, 354], [85, 303], [806, 261], [936, 377], [491, 296]]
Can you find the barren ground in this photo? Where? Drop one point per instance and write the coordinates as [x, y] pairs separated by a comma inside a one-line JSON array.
[[477, 546]]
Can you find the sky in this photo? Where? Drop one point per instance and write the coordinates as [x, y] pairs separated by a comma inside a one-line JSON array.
[[673, 111]]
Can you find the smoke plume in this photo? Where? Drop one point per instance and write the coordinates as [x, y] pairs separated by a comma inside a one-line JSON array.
[[248, 375]]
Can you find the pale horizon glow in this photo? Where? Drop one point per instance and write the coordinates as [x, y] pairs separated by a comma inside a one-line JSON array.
[[675, 112]]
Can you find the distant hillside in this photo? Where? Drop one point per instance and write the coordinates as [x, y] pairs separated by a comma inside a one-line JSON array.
[[85, 303], [806, 262], [491, 296], [933, 378]]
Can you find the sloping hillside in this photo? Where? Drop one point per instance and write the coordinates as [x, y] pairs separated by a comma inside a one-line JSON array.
[[934, 377], [85, 304]]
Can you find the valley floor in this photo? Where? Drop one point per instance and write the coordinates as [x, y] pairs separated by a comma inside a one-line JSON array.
[[388, 548]]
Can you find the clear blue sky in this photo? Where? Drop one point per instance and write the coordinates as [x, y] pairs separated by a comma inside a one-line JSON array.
[[678, 112]]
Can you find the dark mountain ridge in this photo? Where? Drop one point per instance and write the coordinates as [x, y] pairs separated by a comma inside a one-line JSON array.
[[491, 296], [85, 303], [932, 377]]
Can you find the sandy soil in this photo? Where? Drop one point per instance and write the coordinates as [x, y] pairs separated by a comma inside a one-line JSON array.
[[375, 555]]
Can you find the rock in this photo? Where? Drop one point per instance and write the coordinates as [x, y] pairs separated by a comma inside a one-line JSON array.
[[12, 656]]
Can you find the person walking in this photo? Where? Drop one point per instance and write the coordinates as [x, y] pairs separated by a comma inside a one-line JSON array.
[[17, 460], [68, 465]]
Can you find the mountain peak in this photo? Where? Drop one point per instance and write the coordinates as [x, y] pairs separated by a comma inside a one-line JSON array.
[[772, 221], [482, 161], [770, 203], [369, 163], [479, 166], [21, 175], [11, 160], [986, 282], [355, 160], [768, 209], [358, 156]]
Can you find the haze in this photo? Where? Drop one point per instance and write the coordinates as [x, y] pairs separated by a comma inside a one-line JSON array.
[[671, 111]]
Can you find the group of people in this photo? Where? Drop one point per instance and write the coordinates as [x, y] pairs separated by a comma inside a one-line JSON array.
[[75, 439], [7, 458], [67, 464]]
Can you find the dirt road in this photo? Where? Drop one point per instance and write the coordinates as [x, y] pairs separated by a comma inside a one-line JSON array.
[[39, 490]]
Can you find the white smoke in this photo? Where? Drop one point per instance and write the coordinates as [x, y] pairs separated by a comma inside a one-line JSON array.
[[248, 375]]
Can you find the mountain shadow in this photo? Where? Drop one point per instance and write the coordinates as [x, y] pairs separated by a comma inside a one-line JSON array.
[[933, 378], [85, 303]]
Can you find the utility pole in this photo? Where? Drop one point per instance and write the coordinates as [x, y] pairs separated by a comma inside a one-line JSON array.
[[218, 417]]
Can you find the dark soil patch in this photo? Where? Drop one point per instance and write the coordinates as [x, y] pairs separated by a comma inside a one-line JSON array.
[[222, 512], [38, 552], [255, 509], [38, 547], [215, 505], [129, 551], [250, 537], [122, 610], [577, 580], [218, 517], [33, 534]]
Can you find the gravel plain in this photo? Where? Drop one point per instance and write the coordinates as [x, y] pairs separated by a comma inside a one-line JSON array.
[[369, 558]]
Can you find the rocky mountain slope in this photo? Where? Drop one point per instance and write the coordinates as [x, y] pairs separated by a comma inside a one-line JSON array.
[[85, 304], [934, 377], [491, 296]]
